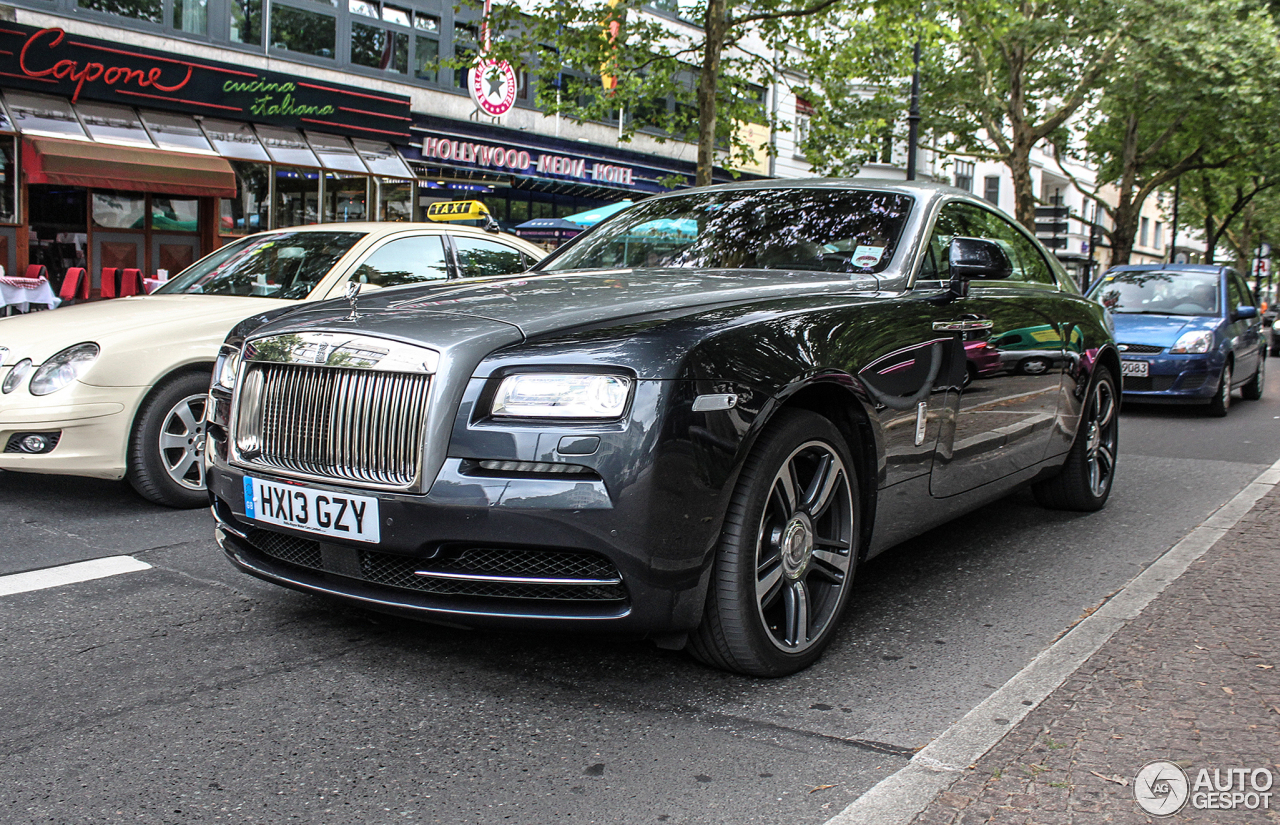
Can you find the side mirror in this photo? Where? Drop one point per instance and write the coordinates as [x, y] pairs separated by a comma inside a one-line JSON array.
[[976, 259], [1245, 311]]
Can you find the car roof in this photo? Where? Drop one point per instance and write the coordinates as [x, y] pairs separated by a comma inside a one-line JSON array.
[[380, 228]]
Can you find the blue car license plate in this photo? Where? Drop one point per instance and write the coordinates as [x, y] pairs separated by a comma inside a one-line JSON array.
[[1138, 369]]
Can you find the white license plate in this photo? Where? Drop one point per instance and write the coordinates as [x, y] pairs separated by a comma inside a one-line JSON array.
[[1137, 369], [342, 516]]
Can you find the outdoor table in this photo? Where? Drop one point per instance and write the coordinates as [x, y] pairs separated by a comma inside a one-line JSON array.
[[20, 293]]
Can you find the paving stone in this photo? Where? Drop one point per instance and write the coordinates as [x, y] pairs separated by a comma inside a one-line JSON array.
[[1194, 678]]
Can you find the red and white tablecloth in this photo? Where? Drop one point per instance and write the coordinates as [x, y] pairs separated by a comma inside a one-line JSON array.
[[21, 293]]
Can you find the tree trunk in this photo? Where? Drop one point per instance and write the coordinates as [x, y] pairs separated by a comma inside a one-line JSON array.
[[1125, 219], [714, 29], [1024, 198]]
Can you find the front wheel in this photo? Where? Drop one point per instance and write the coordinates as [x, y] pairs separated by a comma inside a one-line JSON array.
[[166, 450], [787, 552], [1221, 403], [1085, 481]]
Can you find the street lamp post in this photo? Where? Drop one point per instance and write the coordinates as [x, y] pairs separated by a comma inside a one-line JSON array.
[[913, 115]]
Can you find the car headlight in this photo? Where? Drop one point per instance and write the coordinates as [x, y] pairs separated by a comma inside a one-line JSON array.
[[554, 395], [226, 368], [1275, 326], [15, 376], [1193, 342], [63, 368]]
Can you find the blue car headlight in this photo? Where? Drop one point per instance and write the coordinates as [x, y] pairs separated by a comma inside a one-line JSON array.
[[1193, 342]]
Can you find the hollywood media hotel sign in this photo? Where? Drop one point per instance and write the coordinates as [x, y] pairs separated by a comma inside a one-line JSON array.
[[504, 158], [53, 61]]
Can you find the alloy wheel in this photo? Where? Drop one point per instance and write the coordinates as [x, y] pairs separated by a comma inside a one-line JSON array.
[[182, 442], [1100, 445], [804, 547]]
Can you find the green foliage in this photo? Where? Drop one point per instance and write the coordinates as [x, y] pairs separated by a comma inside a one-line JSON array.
[[657, 64]]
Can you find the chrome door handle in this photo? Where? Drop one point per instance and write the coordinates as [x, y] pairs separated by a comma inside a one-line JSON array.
[[962, 326]]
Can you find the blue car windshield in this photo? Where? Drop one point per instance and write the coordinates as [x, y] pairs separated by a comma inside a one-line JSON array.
[[831, 230], [1159, 292]]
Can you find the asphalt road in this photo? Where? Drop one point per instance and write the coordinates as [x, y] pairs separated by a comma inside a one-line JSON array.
[[190, 693]]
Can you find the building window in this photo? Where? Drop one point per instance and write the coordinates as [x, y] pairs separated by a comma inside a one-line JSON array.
[[465, 38], [345, 197], [246, 22], [991, 189], [249, 210], [426, 48], [395, 199], [152, 11], [804, 115], [964, 175], [191, 16], [1159, 238], [305, 32], [1144, 228], [379, 48]]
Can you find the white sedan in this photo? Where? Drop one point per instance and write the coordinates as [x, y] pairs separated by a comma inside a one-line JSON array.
[[116, 389]]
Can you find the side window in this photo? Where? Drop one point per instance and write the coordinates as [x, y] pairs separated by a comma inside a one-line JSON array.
[[478, 258], [1029, 265], [405, 261], [1239, 292]]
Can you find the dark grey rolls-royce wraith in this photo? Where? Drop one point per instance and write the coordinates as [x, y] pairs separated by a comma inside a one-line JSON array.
[[693, 422]]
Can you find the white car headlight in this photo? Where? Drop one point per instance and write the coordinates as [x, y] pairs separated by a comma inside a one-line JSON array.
[[1193, 342], [555, 395], [63, 368], [1275, 326], [15, 376], [226, 368]]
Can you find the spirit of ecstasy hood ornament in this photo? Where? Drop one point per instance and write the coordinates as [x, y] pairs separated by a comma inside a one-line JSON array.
[[353, 292]]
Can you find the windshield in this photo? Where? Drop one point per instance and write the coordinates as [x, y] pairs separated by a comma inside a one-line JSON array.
[[271, 265], [1160, 292], [828, 230]]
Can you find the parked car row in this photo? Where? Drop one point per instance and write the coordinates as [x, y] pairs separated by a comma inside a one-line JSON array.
[[692, 422]]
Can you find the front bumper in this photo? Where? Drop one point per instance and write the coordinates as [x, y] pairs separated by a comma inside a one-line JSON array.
[[659, 565], [1174, 379], [92, 426]]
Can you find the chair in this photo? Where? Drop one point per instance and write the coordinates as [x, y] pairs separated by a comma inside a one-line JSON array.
[[37, 271], [108, 282], [75, 285], [131, 283]]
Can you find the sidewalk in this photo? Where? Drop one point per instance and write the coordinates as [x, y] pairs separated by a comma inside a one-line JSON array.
[[1194, 679]]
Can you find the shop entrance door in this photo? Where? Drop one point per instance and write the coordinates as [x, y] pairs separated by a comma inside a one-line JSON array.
[[58, 237]]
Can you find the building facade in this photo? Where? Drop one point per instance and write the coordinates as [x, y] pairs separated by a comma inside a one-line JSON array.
[[146, 133]]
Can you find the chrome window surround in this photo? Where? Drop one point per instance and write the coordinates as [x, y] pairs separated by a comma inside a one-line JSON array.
[[342, 353]]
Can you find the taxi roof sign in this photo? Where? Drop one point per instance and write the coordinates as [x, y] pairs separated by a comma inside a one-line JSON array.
[[457, 211]]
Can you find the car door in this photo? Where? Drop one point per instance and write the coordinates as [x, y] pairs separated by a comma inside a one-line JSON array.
[[1005, 410], [1243, 333]]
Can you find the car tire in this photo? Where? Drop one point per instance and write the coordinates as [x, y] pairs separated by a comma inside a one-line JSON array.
[[1085, 481], [166, 449], [787, 554], [1220, 404], [1034, 366], [1253, 390]]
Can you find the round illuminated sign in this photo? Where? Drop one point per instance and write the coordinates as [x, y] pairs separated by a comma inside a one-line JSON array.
[[493, 86]]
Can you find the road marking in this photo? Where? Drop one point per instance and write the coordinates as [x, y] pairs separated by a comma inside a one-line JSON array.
[[69, 574], [898, 798]]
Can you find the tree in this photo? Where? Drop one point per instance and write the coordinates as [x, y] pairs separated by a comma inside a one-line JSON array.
[[1194, 91], [998, 77], [607, 60], [1236, 207]]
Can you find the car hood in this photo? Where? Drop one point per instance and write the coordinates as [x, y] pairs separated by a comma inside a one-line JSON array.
[[1158, 330], [114, 324], [537, 304]]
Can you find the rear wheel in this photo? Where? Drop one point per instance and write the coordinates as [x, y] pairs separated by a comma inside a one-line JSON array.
[[1221, 403], [1253, 390], [1085, 481], [166, 450]]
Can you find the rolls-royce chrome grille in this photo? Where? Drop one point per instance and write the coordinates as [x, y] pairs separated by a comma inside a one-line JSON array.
[[316, 416]]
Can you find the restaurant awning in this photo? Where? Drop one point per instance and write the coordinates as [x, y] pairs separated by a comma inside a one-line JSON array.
[[131, 168]]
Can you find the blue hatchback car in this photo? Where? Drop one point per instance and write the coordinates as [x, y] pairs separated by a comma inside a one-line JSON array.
[[1187, 333]]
